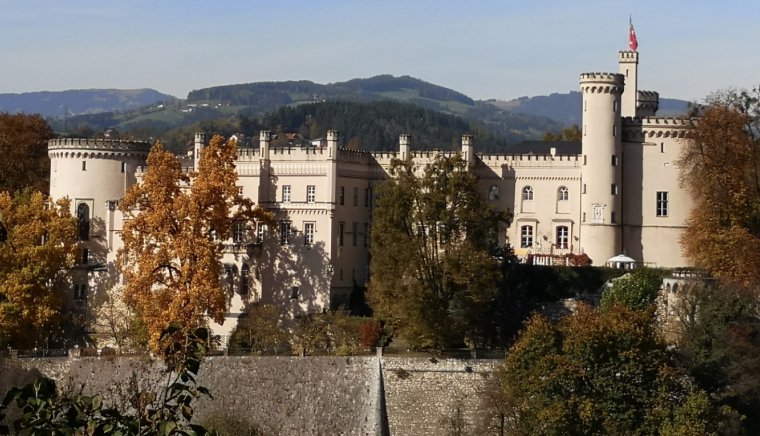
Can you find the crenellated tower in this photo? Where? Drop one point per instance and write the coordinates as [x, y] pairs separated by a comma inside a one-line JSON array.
[[200, 142], [629, 66], [601, 173]]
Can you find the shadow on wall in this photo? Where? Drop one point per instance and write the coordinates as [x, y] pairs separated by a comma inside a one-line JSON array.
[[295, 276]]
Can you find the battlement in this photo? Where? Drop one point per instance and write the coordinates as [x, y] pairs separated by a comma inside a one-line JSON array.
[[649, 96], [247, 155], [643, 128], [99, 144], [656, 121], [602, 83], [611, 78], [628, 56]]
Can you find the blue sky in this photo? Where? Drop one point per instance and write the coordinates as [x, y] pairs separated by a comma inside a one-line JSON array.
[[485, 49]]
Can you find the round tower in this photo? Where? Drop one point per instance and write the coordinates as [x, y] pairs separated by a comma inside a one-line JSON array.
[[601, 174], [94, 174]]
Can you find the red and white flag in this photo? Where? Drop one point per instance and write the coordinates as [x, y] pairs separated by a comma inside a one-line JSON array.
[[632, 43]]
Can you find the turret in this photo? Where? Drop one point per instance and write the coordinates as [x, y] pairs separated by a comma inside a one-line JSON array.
[[467, 150], [404, 143], [332, 144], [647, 104], [200, 142], [265, 137], [601, 172], [629, 65]]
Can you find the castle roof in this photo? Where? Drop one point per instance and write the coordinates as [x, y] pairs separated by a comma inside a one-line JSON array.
[[544, 147]]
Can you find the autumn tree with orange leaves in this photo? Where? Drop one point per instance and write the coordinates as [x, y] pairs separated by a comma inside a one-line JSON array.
[[720, 168], [171, 259], [37, 241], [23, 147]]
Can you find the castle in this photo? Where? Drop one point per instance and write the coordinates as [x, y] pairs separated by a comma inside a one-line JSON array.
[[616, 192]]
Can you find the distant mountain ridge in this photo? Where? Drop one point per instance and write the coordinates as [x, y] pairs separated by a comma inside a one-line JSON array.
[[80, 101], [566, 108]]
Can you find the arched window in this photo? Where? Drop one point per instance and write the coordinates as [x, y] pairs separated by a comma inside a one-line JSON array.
[[563, 194], [244, 280], [527, 193], [83, 222]]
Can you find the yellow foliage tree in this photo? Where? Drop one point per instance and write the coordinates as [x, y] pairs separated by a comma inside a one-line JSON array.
[[171, 258], [37, 241], [720, 167]]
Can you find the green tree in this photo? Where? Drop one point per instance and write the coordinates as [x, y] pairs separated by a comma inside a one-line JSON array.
[[433, 239], [602, 373], [37, 241], [572, 133], [719, 345], [258, 329], [637, 290], [23, 146]]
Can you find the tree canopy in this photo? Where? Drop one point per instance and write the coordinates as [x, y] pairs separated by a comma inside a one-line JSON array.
[[720, 168], [432, 263], [601, 373], [37, 240], [171, 258], [23, 146]]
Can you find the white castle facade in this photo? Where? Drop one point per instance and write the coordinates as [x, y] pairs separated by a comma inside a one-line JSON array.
[[618, 193]]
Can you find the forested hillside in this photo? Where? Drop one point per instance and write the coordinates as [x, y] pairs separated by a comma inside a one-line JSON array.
[[368, 126]]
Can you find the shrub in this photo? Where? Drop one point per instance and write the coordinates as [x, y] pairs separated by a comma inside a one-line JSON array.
[[370, 333]]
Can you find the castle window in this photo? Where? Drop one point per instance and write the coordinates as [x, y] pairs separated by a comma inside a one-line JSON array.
[[614, 130], [662, 203], [341, 229], [83, 222], [583, 217], [584, 188], [354, 233], [563, 194], [493, 193], [260, 234], [526, 236], [84, 165], [286, 194], [615, 106], [308, 233], [614, 160], [366, 197], [238, 229], [229, 274], [562, 236], [239, 191], [294, 293], [80, 292], [585, 104], [612, 217], [662, 147], [55, 166], [342, 195], [84, 256], [527, 193], [366, 234], [584, 130], [123, 167], [311, 194], [341, 274], [613, 189], [370, 197], [356, 196], [284, 232], [244, 273], [598, 214]]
